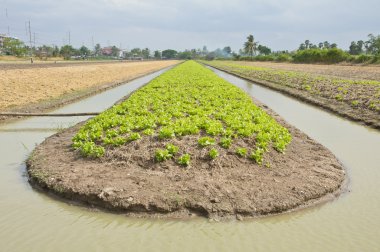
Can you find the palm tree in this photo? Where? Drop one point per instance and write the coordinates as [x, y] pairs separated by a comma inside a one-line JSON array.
[[307, 44], [250, 46], [326, 44]]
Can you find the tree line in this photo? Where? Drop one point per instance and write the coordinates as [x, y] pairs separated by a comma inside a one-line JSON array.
[[323, 52], [308, 52]]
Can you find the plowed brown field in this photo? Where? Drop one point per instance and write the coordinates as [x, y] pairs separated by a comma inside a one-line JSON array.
[[21, 86]]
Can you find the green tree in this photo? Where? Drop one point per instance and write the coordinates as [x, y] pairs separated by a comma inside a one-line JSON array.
[[145, 53], [227, 50], [312, 46], [264, 50], [326, 44], [210, 56], [194, 53], [302, 47], [45, 51], [199, 53], [307, 44], [373, 44], [235, 55], [84, 51], [157, 54], [169, 54], [360, 44], [136, 52], [353, 48], [204, 51], [185, 55], [356, 48], [250, 46], [115, 51], [67, 51], [98, 49], [219, 53], [55, 52], [14, 47]]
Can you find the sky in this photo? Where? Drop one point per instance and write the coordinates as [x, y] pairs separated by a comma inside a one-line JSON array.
[[187, 24]]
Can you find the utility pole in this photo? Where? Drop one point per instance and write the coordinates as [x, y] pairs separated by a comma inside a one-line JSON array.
[[92, 40], [69, 38], [30, 43], [6, 16]]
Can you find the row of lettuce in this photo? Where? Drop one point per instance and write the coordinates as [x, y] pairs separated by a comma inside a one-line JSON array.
[[356, 93], [186, 100]]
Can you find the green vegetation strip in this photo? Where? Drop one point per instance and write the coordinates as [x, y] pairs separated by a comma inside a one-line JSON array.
[[186, 100], [356, 93]]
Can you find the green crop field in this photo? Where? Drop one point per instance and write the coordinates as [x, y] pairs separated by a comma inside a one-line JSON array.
[[186, 100], [355, 93]]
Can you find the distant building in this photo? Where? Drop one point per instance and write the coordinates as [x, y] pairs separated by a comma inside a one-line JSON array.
[[2, 38], [107, 51], [136, 57], [123, 54]]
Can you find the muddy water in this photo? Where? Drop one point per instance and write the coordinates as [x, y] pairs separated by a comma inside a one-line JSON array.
[[32, 221]]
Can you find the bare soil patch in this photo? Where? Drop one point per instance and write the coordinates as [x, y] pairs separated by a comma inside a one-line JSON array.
[[128, 180]]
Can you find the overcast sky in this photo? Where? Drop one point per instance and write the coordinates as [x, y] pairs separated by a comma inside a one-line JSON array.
[[186, 24]]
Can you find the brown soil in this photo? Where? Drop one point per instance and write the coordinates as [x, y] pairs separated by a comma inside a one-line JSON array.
[[127, 180], [324, 97], [39, 87], [61, 63]]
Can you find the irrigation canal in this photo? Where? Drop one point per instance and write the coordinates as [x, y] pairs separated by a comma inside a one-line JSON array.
[[33, 221]]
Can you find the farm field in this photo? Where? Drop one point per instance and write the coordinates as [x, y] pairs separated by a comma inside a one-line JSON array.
[[188, 126], [169, 147], [8, 59], [353, 92], [27, 85], [364, 72]]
